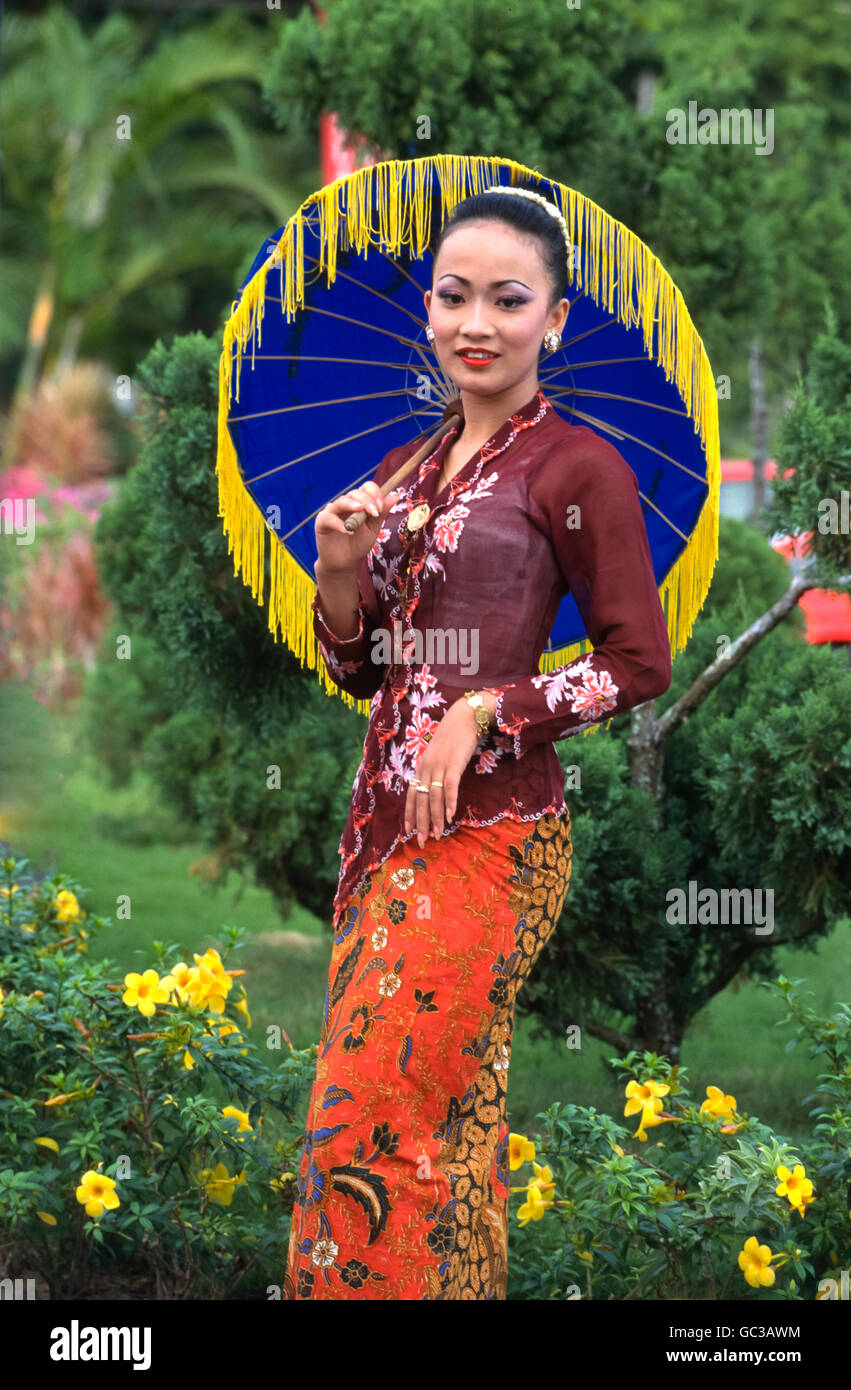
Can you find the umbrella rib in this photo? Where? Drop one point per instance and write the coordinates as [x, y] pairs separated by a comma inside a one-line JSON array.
[[312, 221], [310, 357], [602, 362], [348, 439], [663, 516], [358, 323], [602, 424], [614, 396], [343, 275], [568, 342], [625, 434], [309, 405], [397, 265], [341, 493], [439, 383]]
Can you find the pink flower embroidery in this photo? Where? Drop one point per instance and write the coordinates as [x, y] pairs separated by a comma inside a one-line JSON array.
[[418, 733], [339, 668], [424, 679], [448, 527], [558, 685], [597, 694], [487, 760]]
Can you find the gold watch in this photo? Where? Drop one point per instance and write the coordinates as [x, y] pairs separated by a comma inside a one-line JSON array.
[[477, 705]]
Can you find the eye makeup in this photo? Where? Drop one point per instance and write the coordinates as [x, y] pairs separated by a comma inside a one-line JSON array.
[[514, 299]]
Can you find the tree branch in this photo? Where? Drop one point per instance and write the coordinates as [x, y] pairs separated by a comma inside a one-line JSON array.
[[706, 682], [610, 1035]]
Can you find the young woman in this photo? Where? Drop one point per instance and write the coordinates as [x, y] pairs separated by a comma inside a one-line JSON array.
[[456, 855]]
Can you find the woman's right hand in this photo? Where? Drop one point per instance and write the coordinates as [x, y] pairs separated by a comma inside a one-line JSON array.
[[338, 550]]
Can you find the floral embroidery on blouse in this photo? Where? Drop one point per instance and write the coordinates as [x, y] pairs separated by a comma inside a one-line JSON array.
[[606, 566]]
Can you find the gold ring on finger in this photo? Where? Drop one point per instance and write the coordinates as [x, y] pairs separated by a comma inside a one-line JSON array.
[[437, 784]]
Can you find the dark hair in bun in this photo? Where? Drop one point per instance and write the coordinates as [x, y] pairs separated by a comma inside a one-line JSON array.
[[526, 216]]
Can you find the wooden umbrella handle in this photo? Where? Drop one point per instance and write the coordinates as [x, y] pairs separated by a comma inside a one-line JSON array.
[[453, 410]]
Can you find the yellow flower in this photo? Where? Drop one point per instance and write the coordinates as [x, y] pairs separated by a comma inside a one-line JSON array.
[[805, 1202], [520, 1150], [660, 1117], [242, 1007], [242, 1116], [208, 986], [48, 1144], [27, 926], [644, 1096], [187, 1061], [795, 1186], [82, 943], [211, 960], [7, 892], [617, 1148], [219, 1185], [67, 907], [222, 1027], [46, 1217], [717, 1103], [144, 992], [97, 1193], [543, 1180], [180, 975], [533, 1208], [754, 1262], [648, 1117]]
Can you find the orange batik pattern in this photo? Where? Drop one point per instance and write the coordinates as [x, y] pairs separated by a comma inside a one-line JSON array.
[[402, 1186]]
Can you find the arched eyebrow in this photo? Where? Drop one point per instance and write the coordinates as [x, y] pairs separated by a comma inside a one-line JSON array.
[[495, 284]]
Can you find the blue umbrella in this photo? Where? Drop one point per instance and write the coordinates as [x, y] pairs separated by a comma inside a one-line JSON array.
[[325, 367]]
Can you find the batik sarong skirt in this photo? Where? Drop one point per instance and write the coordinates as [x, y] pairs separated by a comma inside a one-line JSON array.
[[402, 1187]]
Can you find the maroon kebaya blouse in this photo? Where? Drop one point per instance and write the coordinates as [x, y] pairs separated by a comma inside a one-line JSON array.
[[543, 508]]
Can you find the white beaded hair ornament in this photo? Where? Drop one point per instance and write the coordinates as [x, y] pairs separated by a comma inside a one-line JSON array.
[[538, 198]]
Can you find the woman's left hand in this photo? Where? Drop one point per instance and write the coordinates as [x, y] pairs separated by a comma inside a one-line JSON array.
[[447, 755]]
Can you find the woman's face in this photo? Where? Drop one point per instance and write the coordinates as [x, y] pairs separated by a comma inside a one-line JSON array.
[[491, 291]]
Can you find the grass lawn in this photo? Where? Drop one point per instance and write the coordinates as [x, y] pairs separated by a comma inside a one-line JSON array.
[[57, 809]]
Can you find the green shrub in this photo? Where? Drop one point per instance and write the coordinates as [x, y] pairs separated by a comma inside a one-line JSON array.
[[147, 1141], [669, 1220], [144, 1137]]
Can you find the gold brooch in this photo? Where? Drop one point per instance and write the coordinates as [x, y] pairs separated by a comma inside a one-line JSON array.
[[418, 517]]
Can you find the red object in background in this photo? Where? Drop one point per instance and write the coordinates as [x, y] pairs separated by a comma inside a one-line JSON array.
[[827, 614], [339, 152]]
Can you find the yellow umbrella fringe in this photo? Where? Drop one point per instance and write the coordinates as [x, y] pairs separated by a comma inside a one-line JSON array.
[[612, 265]]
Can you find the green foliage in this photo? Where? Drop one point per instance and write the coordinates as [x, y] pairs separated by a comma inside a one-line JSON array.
[[485, 80], [208, 702], [749, 577], [755, 795], [140, 175], [815, 446], [755, 242], [668, 1219], [91, 1085]]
